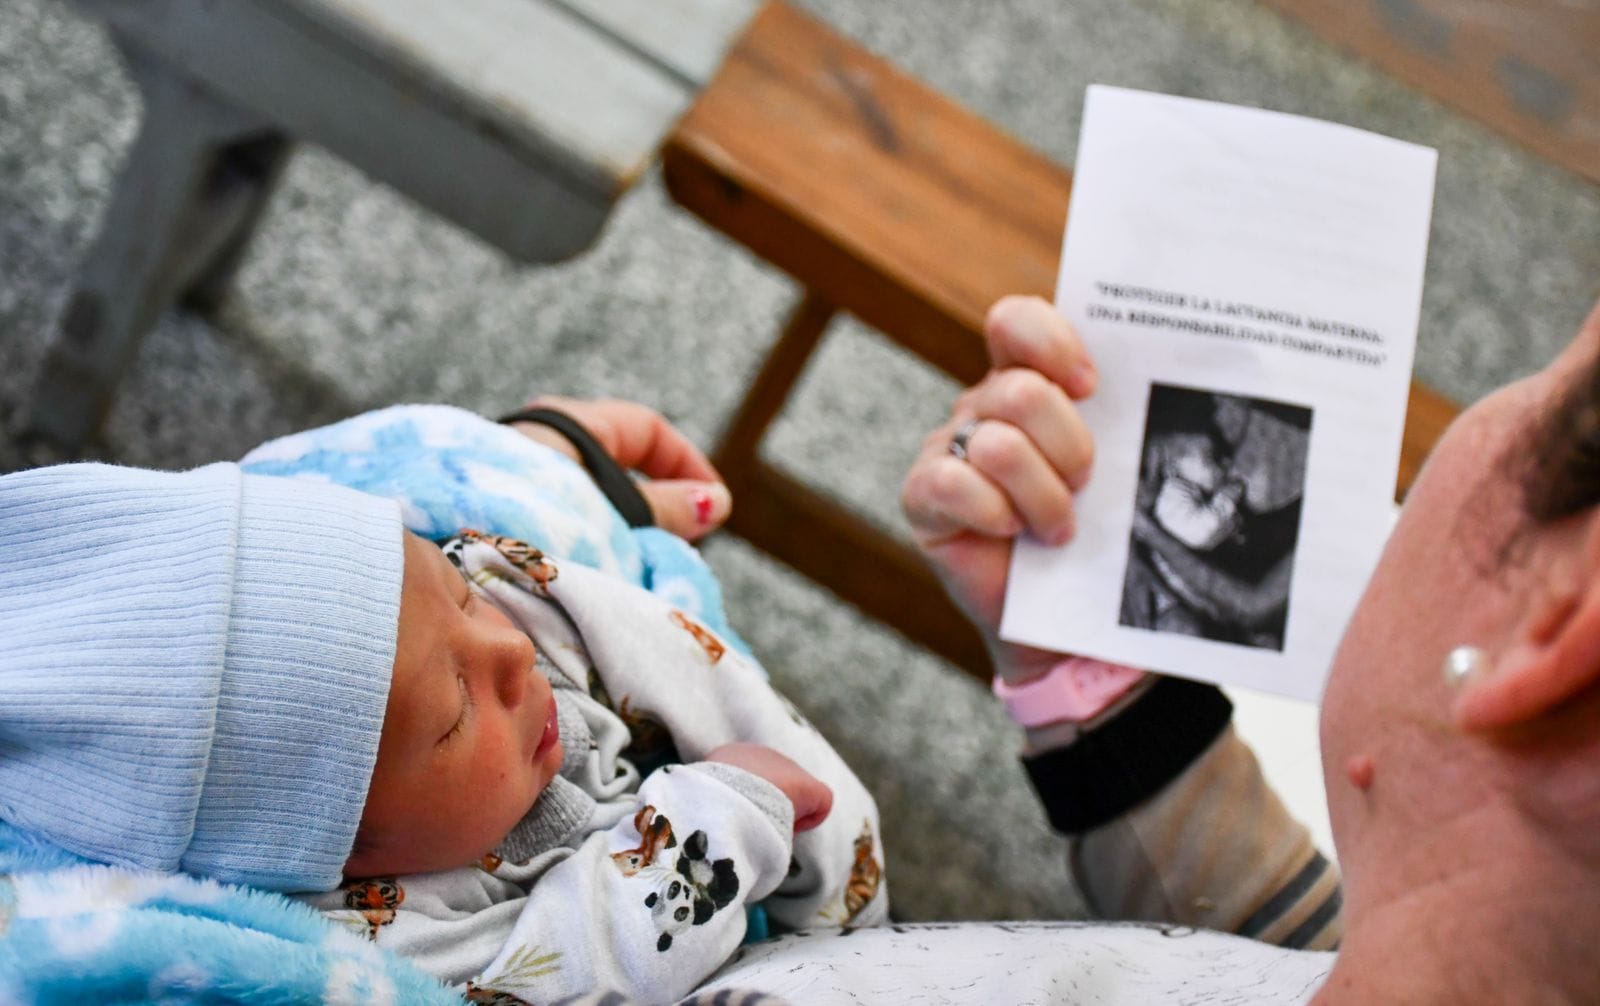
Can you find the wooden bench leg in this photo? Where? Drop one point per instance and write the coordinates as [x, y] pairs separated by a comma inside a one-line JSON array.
[[818, 537], [193, 187], [770, 389]]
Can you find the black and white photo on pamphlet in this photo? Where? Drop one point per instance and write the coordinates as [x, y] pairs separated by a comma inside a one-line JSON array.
[[1249, 285]]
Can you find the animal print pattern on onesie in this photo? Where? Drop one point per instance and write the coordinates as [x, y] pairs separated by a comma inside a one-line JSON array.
[[376, 899], [688, 888]]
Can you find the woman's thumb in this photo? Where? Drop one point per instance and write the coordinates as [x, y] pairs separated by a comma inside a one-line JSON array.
[[687, 508]]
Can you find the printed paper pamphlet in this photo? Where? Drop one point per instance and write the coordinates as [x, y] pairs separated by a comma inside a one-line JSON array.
[[1248, 284]]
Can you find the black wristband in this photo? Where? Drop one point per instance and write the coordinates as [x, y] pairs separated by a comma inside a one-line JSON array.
[[610, 477], [1113, 768]]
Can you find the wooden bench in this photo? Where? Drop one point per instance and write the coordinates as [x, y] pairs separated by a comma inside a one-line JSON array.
[[519, 120], [885, 200], [1527, 69]]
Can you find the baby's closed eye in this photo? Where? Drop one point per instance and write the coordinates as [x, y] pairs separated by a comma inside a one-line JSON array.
[[461, 717]]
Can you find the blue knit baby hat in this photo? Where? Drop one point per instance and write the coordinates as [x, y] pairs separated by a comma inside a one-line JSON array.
[[194, 667]]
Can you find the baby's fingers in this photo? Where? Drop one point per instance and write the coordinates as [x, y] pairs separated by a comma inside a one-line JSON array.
[[813, 802]]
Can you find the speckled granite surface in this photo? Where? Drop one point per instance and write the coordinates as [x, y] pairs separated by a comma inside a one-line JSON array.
[[352, 298]]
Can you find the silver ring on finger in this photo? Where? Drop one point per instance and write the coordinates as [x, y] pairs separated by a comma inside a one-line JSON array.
[[963, 437]]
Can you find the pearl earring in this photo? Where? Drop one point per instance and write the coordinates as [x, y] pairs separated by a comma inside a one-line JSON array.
[[1462, 663]]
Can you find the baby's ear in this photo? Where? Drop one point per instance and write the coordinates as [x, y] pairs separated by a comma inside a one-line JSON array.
[[1554, 653]]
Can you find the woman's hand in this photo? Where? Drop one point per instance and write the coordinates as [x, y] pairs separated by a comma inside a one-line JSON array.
[[684, 491], [1025, 458], [811, 797]]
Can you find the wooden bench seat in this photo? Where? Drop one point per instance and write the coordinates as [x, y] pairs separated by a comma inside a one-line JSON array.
[[890, 202]]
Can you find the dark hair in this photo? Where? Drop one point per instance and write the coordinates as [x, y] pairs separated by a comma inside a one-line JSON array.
[[1561, 453], [1547, 470]]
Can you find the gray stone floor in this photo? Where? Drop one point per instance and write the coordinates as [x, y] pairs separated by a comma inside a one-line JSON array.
[[353, 298]]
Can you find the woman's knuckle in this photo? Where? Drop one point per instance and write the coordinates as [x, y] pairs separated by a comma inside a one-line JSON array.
[[1023, 392], [1080, 453], [998, 450], [943, 482]]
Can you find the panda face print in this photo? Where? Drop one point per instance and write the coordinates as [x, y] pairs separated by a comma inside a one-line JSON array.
[[673, 910], [691, 891]]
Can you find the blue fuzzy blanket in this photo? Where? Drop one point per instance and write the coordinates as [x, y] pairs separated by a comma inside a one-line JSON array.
[[73, 932], [451, 469]]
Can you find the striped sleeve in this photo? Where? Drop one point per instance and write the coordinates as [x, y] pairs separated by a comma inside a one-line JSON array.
[[1217, 849]]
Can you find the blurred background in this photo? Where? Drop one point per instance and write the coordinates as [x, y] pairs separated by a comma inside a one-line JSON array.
[[352, 297]]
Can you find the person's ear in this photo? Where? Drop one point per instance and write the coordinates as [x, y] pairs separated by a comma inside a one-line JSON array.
[[1554, 653]]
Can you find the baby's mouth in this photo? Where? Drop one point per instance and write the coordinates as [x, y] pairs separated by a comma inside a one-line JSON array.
[[552, 733]]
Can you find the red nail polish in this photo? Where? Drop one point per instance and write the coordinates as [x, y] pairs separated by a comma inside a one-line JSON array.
[[702, 506]]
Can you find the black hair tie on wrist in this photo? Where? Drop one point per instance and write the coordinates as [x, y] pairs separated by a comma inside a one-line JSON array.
[[613, 480]]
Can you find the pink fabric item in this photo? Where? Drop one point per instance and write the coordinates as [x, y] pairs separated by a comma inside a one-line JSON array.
[[1075, 690]]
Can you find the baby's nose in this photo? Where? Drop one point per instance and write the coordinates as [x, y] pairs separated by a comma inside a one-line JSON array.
[[513, 662]]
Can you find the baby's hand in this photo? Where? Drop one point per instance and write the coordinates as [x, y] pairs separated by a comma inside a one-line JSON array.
[[811, 797]]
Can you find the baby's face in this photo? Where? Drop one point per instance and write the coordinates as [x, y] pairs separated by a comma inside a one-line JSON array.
[[469, 737]]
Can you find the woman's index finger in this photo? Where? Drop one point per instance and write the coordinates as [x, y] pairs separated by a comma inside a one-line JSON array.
[[1029, 332]]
